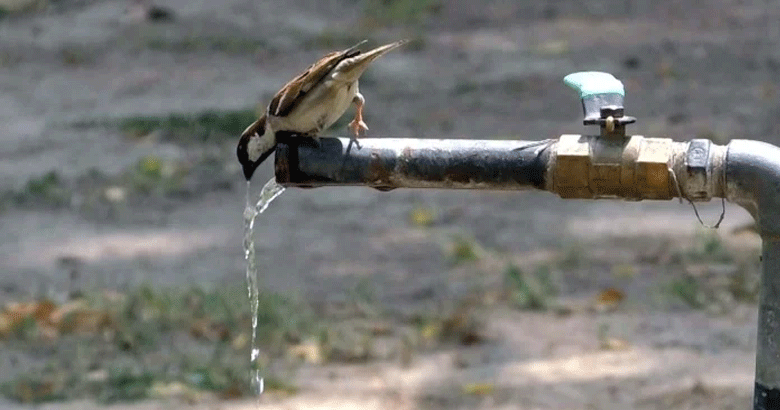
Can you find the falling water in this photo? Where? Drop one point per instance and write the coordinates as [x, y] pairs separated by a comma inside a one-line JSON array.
[[270, 191]]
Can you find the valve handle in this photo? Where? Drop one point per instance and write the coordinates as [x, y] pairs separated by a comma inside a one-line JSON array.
[[601, 94], [591, 83]]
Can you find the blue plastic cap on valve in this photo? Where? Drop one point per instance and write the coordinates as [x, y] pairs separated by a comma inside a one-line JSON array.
[[599, 91], [592, 83]]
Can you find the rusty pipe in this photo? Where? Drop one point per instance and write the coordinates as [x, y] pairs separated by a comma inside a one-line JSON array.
[[573, 166], [388, 163]]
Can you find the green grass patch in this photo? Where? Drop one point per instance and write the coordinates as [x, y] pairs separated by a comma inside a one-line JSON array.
[[182, 128], [49, 190], [687, 290], [35, 387], [531, 291], [118, 347], [463, 250], [573, 255], [125, 384], [708, 247], [200, 127], [155, 175]]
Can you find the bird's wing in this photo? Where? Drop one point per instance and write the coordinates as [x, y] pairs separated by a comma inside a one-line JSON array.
[[288, 97]]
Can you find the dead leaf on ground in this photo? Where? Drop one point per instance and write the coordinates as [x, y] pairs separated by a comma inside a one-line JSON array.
[[52, 320], [479, 389], [15, 314], [421, 216], [43, 310], [381, 329], [232, 392], [208, 330], [612, 343], [310, 352], [609, 299], [6, 325]]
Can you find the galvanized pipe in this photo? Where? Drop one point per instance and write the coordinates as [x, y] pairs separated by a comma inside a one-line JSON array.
[[766, 395], [388, 163], [744, 172], [753, 181]]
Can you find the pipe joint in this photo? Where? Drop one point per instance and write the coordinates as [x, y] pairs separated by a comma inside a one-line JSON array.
[[634, 168]]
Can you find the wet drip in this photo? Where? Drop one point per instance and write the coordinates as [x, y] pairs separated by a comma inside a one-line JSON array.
[[270, 191]]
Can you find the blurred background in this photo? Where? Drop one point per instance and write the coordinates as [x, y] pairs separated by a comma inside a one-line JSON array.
[[121, 263]]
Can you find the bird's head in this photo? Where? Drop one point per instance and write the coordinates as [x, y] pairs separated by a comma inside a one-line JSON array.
[[254, 146]]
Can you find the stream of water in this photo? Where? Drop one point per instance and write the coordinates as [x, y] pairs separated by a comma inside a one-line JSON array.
[[271, 190]]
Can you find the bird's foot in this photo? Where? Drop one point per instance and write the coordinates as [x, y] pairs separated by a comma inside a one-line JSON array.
[[357, 125]]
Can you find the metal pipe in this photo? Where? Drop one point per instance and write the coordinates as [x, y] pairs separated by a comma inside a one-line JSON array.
[[388, 163], [574, 166], [766, 395], [753, 181]]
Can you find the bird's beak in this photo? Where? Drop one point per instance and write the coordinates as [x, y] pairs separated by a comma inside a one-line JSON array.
[[249, 169]]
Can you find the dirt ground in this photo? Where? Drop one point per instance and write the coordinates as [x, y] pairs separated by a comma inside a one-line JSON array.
[[704, 69]]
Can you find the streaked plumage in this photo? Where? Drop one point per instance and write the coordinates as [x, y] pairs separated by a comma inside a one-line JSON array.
[[310, 103]]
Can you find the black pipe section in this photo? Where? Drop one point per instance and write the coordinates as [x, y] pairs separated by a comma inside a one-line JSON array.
[[389, 163]]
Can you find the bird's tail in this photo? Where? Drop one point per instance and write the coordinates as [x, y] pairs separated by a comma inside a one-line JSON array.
[[351, 68]]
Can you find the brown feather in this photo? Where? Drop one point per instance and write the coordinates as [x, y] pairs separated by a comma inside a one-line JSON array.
[[289, 96], [257, 127]]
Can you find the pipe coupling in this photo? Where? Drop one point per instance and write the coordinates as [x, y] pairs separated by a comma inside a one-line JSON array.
[[635, 168]]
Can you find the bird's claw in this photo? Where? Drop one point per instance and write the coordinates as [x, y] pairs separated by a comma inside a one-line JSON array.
[[356, 126]]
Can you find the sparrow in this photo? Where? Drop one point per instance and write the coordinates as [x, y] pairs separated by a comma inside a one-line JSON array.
[[310, 103]]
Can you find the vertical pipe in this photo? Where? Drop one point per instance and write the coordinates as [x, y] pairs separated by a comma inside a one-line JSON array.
[[767, 389], [752, 176]]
